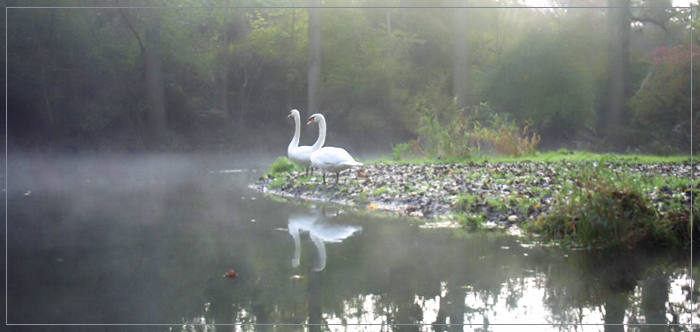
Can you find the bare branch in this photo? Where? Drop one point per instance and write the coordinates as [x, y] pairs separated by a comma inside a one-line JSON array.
[[131, 27], [650, 20]]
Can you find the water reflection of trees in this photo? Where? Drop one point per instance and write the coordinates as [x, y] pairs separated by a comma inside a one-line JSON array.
[[398, 275], [626, 287]]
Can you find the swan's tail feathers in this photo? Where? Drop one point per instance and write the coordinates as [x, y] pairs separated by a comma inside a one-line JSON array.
[[352, 163]]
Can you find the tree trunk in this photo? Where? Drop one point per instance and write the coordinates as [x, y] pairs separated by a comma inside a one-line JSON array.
[[314, 55], [155, 90], [290, 93], [314, 301], [619, 20], [460, 71], [615, 306], [655, 289], [225, 103]]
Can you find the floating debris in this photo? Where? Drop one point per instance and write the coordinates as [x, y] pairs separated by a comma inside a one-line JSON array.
[[229, 171], [441, 224], [231, 274]]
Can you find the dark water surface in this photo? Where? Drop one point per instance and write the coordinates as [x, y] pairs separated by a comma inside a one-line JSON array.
[[147, 239]]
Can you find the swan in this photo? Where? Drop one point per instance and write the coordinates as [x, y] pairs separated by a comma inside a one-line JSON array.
[[329, 159], [301, 154]]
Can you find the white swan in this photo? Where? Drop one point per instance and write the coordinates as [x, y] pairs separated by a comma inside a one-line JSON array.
[[330, 159], [301, 154]]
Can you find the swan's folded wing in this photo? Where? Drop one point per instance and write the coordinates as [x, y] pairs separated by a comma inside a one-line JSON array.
[[300, 155]]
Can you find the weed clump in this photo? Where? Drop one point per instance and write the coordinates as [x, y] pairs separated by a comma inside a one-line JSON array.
[[282, 165], [600, 208], [466, 133], [470, 220]]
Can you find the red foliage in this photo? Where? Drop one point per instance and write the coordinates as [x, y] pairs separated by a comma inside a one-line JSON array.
[[675, 54]]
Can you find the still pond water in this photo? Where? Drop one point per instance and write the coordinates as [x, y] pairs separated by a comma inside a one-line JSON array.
[[147, 239]]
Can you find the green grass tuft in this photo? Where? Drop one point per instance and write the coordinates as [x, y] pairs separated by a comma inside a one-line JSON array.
[[278, 182], [466, 203], [283, 165], [470, 220]]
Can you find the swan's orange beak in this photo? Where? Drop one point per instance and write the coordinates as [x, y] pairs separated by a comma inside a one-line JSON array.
[[310, 121], [290, 114]]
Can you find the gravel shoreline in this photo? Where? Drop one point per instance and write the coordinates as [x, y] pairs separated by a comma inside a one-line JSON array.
[[502, 193]]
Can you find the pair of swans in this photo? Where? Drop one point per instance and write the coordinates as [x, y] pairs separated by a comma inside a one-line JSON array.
[[301, 154], [327, 159]]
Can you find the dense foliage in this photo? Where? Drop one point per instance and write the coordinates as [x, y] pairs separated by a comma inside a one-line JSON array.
[[662, 104], [208, 77], [535, 81]]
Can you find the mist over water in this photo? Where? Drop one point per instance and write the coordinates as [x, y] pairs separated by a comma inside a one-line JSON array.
[[102, 230], [146, 239]]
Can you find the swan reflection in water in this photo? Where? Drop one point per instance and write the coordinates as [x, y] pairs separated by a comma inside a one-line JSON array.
[[320, 231]]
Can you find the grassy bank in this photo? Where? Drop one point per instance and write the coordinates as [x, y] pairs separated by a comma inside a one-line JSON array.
[[555, 156], [598, 206], [576, 198]]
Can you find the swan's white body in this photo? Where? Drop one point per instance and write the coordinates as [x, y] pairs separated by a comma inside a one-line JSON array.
[[301, 154], [329, 159], [320, 233]]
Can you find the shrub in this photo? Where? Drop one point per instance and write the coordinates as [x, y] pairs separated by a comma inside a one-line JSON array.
[[402, 150], [467, 132], [507, 140], [662, 102]]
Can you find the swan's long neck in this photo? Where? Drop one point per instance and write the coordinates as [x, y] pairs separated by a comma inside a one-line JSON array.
[[321, 247], [297, 129], [294, 231], [321, 134]]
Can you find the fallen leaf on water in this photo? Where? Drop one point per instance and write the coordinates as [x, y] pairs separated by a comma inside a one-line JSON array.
[[231, 274]]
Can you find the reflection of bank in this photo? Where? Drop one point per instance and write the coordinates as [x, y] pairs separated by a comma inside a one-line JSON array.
[[320, 231]]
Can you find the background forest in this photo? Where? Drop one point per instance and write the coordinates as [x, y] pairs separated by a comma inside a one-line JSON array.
[[442, 80]]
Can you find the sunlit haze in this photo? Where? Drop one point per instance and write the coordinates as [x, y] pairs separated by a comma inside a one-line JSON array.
[[549, 3]]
